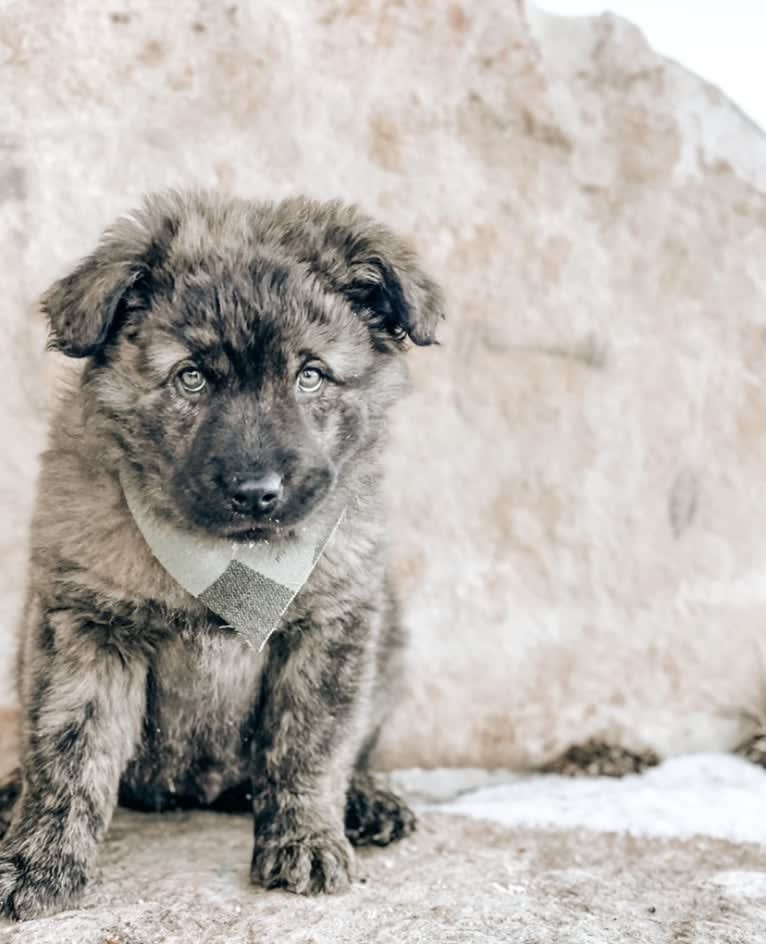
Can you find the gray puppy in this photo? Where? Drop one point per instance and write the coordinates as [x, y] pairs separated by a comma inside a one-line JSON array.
[[240, 362]]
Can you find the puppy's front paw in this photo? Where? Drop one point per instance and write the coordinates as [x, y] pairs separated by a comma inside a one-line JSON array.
[[308, 863], [30, 888]]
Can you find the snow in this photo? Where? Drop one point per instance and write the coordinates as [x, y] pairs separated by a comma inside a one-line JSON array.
[[714, 795]]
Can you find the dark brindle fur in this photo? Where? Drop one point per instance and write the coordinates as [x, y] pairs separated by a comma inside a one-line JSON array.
[[131, 688]]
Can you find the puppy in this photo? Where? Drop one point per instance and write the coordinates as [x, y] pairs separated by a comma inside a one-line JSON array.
[[240, 360]]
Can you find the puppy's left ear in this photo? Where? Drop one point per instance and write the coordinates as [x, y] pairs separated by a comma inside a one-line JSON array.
[[386, 284], [376, 270]]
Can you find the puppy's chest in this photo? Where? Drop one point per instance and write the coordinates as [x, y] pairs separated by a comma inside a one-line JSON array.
[[200, 694]]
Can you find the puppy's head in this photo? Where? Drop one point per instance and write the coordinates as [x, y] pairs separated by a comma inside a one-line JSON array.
[[241, 354]]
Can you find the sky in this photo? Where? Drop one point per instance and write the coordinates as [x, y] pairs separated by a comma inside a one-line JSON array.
[[721, 40]]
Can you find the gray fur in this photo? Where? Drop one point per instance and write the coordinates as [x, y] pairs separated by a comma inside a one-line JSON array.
[[129, 686]]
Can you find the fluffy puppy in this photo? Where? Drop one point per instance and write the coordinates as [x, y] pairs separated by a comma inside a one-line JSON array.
[[240, 359]]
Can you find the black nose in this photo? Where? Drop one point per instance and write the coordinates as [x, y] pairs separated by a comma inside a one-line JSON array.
[[256, 496]]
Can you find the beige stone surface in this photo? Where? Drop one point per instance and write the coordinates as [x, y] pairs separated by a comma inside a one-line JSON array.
[[577, 487], [671, 857], [183, 879]]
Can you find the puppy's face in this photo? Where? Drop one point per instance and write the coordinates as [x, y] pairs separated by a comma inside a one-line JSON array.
[[242, 355], [239, 396]]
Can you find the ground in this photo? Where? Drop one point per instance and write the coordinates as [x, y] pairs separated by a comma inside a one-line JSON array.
[[674, 856]]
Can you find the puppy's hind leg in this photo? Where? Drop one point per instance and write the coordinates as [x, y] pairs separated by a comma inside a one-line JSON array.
[[375, 815], [10, 788]]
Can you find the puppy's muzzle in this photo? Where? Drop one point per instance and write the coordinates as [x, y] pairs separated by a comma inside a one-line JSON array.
[[256, 497]]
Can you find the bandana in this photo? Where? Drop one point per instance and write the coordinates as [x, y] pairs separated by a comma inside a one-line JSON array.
[[250, 586]]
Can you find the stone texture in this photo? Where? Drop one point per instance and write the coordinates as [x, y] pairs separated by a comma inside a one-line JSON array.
[[577, 488], [640, 870], [183, 878]]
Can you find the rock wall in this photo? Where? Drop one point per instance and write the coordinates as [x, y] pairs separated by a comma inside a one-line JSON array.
[[577, 488]]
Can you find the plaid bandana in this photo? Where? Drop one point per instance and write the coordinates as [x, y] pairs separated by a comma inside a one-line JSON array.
[[248, 585]]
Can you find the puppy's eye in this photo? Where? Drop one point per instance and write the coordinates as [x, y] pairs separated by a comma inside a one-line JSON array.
[[310, 380], [190, 380]]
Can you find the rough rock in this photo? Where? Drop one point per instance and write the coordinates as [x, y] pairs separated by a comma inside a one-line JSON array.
[[183, 878], [675, 855], [577, 488]]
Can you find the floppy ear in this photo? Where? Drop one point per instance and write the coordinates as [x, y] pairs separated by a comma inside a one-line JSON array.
[[387, 286], [83, 308], [374, 268]]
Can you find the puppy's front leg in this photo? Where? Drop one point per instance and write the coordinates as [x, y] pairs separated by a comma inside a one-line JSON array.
[[315, 686], [83, 699]]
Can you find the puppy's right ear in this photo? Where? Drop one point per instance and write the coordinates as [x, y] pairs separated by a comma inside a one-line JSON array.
[[83, 308]]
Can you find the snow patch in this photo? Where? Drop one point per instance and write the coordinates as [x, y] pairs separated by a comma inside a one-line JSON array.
[[715, 795]]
